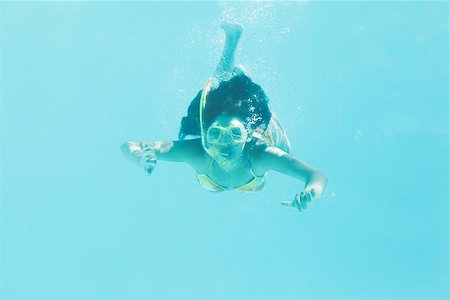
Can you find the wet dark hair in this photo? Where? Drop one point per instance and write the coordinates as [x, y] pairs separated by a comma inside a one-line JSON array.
[[238, 97]]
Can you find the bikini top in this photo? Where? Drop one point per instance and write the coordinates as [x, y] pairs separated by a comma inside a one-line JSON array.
[[254, 185]]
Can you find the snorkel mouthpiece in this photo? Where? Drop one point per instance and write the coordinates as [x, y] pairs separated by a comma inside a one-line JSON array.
[[215, 154]]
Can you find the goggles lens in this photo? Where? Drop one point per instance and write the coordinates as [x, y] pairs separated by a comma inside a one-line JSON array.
[[237, 133]]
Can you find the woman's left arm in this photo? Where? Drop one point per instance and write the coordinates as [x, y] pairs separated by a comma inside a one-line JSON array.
[[273, 158]]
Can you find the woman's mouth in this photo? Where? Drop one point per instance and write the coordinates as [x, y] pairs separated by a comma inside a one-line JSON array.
[[227, 153]]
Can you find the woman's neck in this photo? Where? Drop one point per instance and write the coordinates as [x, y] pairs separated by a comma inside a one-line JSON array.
[[228, 166]]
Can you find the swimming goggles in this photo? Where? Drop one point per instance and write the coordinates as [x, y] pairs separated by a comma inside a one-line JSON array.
[[235, 131]]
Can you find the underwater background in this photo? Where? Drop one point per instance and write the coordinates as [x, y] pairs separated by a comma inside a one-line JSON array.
[[361, 88]]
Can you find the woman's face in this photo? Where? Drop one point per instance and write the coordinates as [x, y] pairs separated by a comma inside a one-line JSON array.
[[225, 139]]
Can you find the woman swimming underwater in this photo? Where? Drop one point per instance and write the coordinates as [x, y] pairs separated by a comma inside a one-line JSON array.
[[230, 137]]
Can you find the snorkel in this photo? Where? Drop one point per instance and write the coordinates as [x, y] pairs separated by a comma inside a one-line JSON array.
[[213, 152], [202, 106]]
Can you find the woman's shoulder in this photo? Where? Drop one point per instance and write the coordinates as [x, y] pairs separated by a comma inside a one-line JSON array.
[[263, 156], [256, 158], [198, 158]]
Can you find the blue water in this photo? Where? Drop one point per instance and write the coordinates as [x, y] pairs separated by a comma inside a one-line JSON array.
[[361, 87]]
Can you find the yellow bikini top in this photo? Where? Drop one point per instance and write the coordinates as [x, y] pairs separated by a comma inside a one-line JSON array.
[[254, 185]]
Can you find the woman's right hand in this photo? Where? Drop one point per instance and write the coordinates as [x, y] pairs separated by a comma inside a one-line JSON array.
[[142, 154], [148, 158]]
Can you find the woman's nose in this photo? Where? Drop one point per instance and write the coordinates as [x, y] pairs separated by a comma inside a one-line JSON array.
[[225, 139]]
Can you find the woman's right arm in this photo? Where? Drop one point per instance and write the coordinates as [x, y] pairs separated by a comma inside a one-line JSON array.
[[145, 154]]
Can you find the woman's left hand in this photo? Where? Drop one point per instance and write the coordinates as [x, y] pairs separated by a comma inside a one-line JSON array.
[[301, 200]]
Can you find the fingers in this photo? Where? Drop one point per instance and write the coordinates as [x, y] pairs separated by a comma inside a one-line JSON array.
[[148, 170], [295, 203], [299, 203], [301, 200], [149, 166], [132, 147], [148, 162], [308, 197]]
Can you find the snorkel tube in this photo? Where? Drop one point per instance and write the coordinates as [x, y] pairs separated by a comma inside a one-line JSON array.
[[202, 106], [213, 152]]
